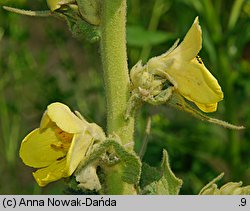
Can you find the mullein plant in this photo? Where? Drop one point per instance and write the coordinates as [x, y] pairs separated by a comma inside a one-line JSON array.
[[67, 146]]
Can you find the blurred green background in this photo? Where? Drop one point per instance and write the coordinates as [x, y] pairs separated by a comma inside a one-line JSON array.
[[41, 63]]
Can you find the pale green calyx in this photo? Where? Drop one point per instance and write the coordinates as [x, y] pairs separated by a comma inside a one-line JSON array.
[[145, 87], [145, 83]]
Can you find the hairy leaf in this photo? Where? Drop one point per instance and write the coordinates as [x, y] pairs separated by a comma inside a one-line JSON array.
[[110, 152], [160, 181]]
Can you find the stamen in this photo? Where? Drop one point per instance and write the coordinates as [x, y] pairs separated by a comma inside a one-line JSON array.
[[57, 147], [63, 136]]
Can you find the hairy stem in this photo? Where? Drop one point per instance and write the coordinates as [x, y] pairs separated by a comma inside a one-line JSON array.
[[117, 84]]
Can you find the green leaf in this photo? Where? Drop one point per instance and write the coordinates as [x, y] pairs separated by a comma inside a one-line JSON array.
[[130, 162], [160, 181], [83, 30], [174, 183], [139, 37], [111, 152], [230, 188], [149, 175]]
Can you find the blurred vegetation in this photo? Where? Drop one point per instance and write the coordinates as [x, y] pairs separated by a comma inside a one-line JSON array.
[[41, 63]]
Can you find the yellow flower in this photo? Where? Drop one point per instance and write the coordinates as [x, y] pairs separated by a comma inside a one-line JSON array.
[[186, 71], [58, 146]]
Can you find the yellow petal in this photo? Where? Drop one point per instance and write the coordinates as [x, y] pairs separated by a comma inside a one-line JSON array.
[[207, 107], [77, 151], [36, 150], [53, 172], [64, 118], [45, 120], [53, 4], [191, 44], [195, 82]]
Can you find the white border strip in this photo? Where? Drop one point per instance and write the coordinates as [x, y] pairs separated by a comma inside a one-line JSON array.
[[124, 203]]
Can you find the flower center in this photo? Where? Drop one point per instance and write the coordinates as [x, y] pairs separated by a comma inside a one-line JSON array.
[[65, 140]]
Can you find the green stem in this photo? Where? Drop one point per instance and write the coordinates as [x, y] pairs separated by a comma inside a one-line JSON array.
[[117, 84]]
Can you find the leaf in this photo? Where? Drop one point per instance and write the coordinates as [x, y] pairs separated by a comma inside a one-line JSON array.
[[83, 30], [158, 188], [149, 175], [230, 188], [139, 37], [174, 182], [131, 165], [160, 181]]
